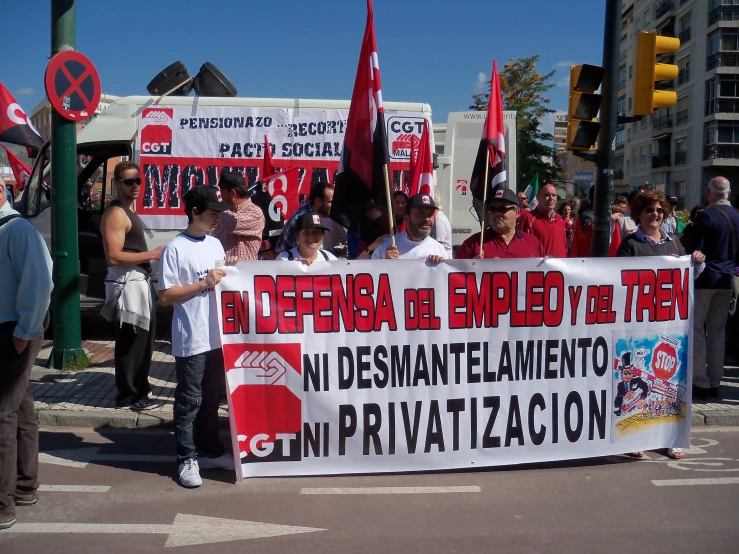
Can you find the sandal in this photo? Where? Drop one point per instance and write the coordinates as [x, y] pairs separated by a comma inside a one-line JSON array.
[[675, 453], [637, 454]]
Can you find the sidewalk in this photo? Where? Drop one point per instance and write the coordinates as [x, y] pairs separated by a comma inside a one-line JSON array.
[[87, 398]]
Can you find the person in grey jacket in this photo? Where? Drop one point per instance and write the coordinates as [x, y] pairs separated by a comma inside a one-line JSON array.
[[25, 282]]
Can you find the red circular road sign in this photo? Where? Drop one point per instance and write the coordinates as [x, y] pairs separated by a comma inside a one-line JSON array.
[[72, 85], [664, 361]]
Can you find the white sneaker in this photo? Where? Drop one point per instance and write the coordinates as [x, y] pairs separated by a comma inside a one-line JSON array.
[[225, 461], [190, 473]]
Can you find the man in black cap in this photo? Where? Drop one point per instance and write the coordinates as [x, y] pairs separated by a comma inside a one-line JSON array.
[[414, 242], [240, 228], [502, 239], [188, 275], [630, 386]]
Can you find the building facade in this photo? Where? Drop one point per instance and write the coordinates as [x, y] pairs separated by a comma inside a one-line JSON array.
[[41, 115], [677, 150]]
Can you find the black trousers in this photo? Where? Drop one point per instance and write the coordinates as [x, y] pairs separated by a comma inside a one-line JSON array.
[[133, 350], [18, 424]]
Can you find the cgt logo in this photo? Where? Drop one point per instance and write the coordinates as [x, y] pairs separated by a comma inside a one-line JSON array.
[[266, 386], [156, 134], [400, 130]]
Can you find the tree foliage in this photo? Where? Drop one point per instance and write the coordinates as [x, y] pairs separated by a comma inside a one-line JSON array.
[[523, 89]]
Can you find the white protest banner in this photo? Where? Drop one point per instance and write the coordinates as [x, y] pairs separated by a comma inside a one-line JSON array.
[[180, 148], [385, 366]]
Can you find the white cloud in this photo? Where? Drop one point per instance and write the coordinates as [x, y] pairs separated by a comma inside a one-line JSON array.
[[27, 91], [481, 82], [564, 65], [564, 81]]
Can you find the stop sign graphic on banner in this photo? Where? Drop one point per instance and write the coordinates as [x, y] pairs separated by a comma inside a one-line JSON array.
[[664, 361]]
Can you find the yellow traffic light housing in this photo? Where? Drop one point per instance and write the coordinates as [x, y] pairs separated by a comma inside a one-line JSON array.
[[582, 129], [648, 71]]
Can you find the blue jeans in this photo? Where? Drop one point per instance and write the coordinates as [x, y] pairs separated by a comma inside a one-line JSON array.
[[201, 382]]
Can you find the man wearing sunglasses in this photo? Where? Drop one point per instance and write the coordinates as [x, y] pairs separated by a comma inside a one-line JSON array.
[[129, 298], [502, 239]]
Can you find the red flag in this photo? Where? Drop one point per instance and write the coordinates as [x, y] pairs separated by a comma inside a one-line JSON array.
[[268, 167], [283, 189], [615, 238], [360, 184], [415, 144], [422, 179], [20, 170], [493, 138], [15, 125]]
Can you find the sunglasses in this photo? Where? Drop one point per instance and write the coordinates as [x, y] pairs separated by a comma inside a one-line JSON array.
[[131, 182], [500, 209], [628, 372], [652, 210]]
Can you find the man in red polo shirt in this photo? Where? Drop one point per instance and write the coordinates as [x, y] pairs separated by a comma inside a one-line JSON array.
[[502, 239], [545, 224]]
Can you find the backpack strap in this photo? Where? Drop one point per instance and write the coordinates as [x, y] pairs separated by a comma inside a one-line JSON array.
[[7, 218], [734, 237], [325, 256], [290, 255]]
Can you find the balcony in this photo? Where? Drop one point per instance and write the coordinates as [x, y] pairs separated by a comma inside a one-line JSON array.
[[661, 160], [723, 13], [622, 55], [664, 7], [660, 123], [727, 105], [621, 84], [681, 158], [683, 76], [682, 117], [721, 151], [722, 59], [684, 36]]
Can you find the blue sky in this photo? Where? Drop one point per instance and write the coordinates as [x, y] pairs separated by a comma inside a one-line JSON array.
[[436, 52]]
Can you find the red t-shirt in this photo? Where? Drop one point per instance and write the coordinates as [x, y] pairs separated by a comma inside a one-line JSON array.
[[522, 245], [549, 230]]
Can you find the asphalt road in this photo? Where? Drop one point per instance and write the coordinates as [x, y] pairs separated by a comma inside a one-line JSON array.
[[613, 504]]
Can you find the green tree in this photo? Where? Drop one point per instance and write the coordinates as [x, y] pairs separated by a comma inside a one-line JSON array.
[[523, 89]]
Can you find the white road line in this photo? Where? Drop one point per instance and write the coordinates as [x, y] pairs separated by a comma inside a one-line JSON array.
[[73, 488], [389, 490], [688, 482]]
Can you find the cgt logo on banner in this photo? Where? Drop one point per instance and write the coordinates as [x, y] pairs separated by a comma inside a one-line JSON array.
[[265, 385], [397, 366], [156, 133]]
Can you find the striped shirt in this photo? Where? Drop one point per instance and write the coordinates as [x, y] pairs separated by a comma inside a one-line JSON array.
[[240, 231]]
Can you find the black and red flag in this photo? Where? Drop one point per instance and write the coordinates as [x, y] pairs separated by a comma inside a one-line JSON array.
[[360, 197], [15, 125], [492, 144]]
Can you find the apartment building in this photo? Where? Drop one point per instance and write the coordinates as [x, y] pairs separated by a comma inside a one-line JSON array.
[[679, 149], [41, 115]]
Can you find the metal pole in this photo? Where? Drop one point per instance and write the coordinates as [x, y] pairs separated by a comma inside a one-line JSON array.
[[65, 300], [608, 115]]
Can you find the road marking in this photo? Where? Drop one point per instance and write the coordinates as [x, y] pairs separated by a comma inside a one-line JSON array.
[[187, 530], [689, 482], [389, 490], [73, 488]]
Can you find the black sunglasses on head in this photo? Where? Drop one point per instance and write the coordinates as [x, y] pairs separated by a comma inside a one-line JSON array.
[[131, 182], [652, 210]]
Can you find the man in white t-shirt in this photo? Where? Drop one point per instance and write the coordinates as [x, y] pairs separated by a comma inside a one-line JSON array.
[[415, 242], [188, 275]]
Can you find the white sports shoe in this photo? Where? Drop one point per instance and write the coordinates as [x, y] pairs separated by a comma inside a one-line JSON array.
[[190, 473], [225, 461]]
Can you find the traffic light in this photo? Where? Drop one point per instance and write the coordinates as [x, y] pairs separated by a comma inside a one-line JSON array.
[[582, 129], [648, 47]]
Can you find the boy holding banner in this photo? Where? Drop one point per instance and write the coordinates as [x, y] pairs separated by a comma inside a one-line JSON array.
[[188, 276]]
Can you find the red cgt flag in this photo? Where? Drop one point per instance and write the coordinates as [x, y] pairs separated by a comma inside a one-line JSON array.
[[268, 166], [21, 171], [493, 139], [360, 193], [283, 189], [422, 177], [15, 125]]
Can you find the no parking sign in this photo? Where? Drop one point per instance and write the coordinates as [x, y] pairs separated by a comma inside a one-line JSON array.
[[72, 85]]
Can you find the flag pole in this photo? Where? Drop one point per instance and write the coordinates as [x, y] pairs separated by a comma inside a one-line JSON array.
[[484, 197], [391, 216]]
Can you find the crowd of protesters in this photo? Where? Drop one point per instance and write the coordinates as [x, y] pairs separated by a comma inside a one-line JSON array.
[[225, 227]]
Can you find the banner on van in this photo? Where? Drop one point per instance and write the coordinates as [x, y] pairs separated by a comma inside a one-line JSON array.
[[179, 149], [394, 366]]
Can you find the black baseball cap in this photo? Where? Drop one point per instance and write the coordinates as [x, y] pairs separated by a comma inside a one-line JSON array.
[[205, 198], [310, 220], [231, 180], [503, 193], [422, 201], [672, 199]]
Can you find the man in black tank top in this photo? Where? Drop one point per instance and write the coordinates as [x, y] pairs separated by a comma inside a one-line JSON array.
[[129, 297]]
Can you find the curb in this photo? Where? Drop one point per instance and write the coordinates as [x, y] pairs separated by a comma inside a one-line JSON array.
[[119, 419], [715, 418]]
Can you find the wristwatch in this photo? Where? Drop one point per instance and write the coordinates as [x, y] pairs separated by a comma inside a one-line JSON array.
[[370, 252]]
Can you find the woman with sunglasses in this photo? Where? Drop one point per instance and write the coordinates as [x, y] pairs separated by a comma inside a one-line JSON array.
[[649, 239]]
